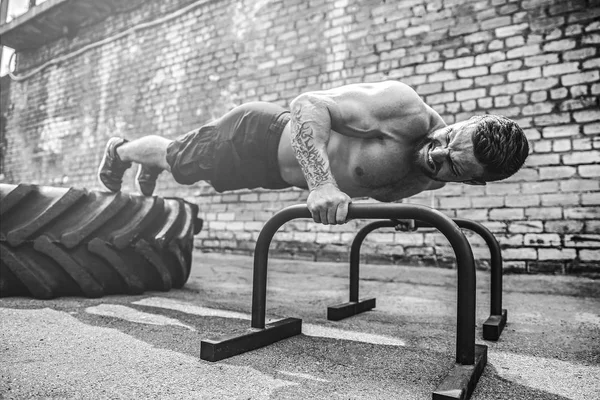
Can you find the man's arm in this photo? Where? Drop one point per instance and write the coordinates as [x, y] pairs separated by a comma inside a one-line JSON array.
[[354, 110], [311, 129]]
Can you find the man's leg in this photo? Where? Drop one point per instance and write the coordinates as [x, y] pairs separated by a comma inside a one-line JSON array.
[[149, 151]]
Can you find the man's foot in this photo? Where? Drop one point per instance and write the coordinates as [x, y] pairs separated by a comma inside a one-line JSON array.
[[146, 179], [112, 168]]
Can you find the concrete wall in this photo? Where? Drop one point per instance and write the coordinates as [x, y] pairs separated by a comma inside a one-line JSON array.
[[536, 61]]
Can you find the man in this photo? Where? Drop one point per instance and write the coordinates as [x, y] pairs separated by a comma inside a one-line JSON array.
[[377, 140]]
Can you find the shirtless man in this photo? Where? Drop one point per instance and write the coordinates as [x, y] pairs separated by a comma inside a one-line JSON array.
[[377, 140]]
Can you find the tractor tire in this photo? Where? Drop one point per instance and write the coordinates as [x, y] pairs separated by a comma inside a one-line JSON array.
[[74, 242]]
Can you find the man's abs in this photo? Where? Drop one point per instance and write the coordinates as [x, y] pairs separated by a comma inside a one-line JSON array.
[[379, 168]]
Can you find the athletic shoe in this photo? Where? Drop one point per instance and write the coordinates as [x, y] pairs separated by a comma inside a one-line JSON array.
[[146, 179], [112, 168]]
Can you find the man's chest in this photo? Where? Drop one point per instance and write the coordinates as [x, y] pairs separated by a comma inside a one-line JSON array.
[[372, 163]]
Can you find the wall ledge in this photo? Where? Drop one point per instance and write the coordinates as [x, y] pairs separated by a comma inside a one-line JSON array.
[[52, 20]]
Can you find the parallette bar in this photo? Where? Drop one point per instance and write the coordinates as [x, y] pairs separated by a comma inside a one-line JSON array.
[[345, 310], [462, 379], [254, 338], [493, 327]]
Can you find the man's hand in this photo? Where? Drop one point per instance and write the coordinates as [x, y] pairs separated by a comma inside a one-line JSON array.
[[328, 204]]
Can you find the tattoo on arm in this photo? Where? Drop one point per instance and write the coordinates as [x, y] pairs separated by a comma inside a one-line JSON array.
[[311, 155]]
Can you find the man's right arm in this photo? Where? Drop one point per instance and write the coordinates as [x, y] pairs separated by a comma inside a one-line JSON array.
[[359, 110], [311, 129]]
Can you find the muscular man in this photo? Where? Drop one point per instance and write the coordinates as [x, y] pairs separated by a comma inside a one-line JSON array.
[[377, 140]]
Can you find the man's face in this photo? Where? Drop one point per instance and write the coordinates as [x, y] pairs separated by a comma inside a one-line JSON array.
[[447, 154]]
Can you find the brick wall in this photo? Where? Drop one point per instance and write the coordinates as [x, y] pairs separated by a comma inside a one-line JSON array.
[[536, 61]]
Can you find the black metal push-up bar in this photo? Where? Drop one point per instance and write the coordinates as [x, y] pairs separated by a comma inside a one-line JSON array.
[[492, 327], [470, 358]]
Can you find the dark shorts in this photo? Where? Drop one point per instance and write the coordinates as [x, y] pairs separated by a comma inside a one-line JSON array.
[[236, 151]]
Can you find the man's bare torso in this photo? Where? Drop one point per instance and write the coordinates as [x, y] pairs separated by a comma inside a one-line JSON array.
[[379, 166]]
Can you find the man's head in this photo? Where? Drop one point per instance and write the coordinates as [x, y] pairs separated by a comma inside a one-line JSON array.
[[481, 149]]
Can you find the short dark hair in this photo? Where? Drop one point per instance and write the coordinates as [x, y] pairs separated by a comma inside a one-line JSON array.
[[500, 145]]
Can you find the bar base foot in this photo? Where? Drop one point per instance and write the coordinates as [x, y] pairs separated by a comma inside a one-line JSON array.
[[345, 310], [253, 338], [461, 381], [493, 327]]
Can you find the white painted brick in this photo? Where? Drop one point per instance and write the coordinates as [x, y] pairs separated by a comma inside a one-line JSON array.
[[589, 255], [519, 254], [542, 240], [525, 226], [504, 214], [556, 254]]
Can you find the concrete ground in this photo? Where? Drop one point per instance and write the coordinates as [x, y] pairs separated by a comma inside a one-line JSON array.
[[147, 346]]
